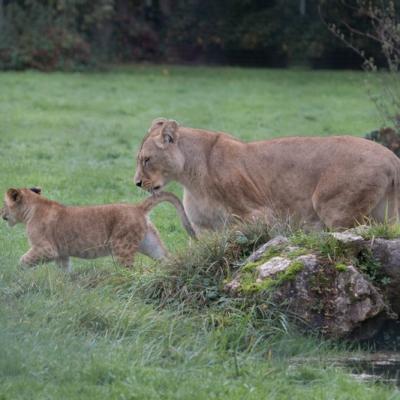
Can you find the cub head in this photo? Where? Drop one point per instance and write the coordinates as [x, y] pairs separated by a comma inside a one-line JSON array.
[[160, 159], [16, 204]]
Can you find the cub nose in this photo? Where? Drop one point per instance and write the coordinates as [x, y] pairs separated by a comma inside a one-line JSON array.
[[139, 183]]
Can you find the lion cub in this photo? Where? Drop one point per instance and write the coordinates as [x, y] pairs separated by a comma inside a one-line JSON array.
[[57, 232]]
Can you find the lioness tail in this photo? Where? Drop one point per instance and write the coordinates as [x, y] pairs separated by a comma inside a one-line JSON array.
[[155, 199]]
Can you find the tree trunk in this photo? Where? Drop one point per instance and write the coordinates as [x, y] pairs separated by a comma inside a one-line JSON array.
[[1, 14], [302, 7]]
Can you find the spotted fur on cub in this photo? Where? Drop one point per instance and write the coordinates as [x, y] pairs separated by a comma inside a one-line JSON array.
[[57, 232]]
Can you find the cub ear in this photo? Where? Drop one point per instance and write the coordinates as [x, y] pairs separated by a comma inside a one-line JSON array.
[[168, 132], [14, 194], [156, 123], [36, 190]]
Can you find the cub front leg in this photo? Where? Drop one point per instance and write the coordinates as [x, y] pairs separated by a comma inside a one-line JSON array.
[[35, 256], [65, 264]]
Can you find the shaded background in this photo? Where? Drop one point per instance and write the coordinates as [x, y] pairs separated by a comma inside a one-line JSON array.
[[78, 34]]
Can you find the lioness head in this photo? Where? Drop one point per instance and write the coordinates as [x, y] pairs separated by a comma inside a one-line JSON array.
[[159, 159], [17, 203]]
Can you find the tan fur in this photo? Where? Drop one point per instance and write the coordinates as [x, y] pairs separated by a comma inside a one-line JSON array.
[[57, 232], [320, 182]]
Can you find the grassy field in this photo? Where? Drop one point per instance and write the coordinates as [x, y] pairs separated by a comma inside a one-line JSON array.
[[91, 335]]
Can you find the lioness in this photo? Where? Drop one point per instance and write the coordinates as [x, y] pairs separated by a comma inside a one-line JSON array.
[[330, 182], [57, 232]]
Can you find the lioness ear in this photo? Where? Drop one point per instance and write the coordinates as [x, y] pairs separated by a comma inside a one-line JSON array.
[[169, 131], [36, 190], [157, 123], [14, 194]]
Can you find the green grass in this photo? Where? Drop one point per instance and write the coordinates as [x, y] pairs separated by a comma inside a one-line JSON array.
[[95, 334]]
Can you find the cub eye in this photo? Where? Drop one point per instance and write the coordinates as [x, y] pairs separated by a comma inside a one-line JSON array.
[[146, 161]]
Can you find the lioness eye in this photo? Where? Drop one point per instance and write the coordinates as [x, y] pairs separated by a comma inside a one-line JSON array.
[[146, 161]]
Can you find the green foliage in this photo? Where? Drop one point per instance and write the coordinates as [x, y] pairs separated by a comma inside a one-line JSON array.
[[290, 273], [324, 244], [66, 34], [239, 32], [387, 137], [339, 255], [377, 43], [37, 34], [271, 33], [341, 267], [72, 34], [371, 267], [381, 230], [270, 253], [248, 277], [250, 285]]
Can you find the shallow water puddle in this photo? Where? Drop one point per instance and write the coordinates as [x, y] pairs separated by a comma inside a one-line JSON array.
[[379, 367]]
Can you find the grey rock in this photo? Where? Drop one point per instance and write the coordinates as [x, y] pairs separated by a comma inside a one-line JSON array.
[[291, 249], [359, 230], [272, 267], [350, 239], [387, 253], [334, 303], [233, 286], [276, 241], [309, 260], [347, 237], [339, 303], [357, 301]]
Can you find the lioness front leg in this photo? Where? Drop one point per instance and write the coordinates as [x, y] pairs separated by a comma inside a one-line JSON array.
[[35, 256], [203, 215]]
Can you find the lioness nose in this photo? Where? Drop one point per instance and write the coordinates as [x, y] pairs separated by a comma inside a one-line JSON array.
[[138, 183]]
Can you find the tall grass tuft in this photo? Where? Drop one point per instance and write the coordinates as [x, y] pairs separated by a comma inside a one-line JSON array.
[[194, 277]]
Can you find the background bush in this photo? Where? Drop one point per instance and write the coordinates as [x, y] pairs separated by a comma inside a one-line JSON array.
[[65, 34], [69, 34]]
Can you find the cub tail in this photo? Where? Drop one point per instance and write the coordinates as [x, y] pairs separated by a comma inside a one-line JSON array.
[[148, 204]]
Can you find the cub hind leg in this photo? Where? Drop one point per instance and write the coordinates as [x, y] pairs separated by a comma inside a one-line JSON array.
[[151, 245], [123, 248], [124, 253], [125, 244], [125, 239]]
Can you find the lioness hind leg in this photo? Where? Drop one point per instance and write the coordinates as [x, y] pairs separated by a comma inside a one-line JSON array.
[[345, 205], [387, 209]]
